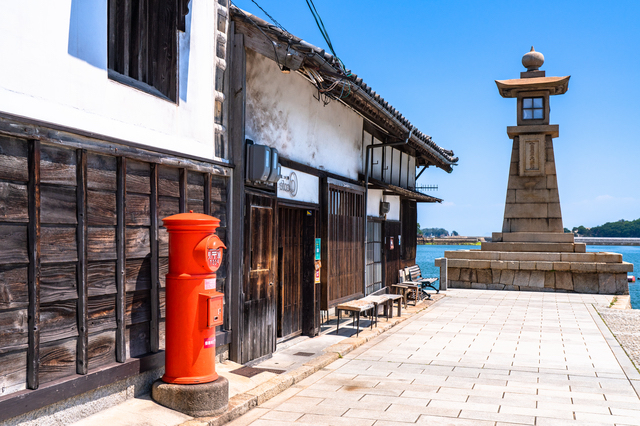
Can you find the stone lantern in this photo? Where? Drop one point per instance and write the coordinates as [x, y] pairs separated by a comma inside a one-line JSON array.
[[533, 252]]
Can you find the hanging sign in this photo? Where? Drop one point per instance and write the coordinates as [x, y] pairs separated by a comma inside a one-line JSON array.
[[298, 186], [317, 248], [390, 243], [318, 265]]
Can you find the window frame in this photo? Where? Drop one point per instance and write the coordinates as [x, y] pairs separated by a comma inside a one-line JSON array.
[[134, 30], [533, 108]]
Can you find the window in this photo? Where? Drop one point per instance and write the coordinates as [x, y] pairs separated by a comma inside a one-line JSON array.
[[143, 44], [532, 109]]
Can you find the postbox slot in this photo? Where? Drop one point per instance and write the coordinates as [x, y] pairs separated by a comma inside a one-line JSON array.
[[214, 312]]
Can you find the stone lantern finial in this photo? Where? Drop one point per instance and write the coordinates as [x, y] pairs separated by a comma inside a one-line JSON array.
[[532, 60]]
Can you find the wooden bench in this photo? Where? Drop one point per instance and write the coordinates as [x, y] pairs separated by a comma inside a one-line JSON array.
[[414, 274], [386, 300], [357, 307]]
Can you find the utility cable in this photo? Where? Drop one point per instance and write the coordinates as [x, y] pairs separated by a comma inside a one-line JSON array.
[[272, 18], [273, 43]]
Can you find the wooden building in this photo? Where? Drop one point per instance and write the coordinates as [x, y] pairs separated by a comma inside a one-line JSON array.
[[347, 186], [115, 114], [112, 117]]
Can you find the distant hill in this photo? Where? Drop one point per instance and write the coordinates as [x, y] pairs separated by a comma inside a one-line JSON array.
[[436, 232], [620, 229]]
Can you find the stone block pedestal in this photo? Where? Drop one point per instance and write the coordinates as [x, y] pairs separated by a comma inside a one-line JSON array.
[[201, 400], [603, 273]]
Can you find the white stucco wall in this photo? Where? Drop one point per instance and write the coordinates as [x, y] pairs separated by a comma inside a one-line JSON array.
[[282, 113], [54, 69], [375, 196]]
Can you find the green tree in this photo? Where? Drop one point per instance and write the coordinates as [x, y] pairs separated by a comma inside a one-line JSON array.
[[454, 233]]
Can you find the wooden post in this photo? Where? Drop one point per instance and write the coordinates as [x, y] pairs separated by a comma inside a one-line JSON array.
[[33, 232], [155, 282], [183, 190], [121, 350], [236, 70], [207, 193], [82, 358]]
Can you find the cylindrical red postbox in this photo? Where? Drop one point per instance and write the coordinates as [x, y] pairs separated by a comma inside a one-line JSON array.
[[193, 306]]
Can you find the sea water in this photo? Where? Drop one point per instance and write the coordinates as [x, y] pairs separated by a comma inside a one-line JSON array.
[[426, 254]]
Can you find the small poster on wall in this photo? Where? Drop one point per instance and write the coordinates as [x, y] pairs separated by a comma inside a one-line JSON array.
[[390, 243]]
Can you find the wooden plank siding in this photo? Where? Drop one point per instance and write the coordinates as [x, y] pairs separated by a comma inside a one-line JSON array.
[[344, 267], [82, 270]]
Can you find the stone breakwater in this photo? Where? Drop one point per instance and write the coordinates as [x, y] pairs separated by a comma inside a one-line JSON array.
[[602, 241], [603, 273]]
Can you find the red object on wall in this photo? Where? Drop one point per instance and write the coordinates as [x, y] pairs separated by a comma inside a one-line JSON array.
[[194, 307]]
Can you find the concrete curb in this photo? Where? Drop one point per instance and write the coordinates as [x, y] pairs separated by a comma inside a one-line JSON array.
[[242, 403]]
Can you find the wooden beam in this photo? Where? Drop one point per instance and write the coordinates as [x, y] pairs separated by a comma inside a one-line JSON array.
[[82, 357], [33, 232], [207, 193], [155, 272], [121, 350], [235, 224], [183, 190]]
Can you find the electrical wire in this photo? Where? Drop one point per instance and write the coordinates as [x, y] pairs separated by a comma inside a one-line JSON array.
[[325, 35], [273, 43], [272, 18]]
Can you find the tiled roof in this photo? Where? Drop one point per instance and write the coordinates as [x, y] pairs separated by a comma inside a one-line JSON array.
[[328, 66]]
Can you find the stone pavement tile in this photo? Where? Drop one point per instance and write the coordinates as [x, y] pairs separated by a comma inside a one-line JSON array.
[[566, 414], [316, 419], [498, 417], [322, 410], [394, 415], [522, 401], [249, 417], [603, 418], [629, 412], [583, 408], [442, 396], [392, 423], [439, 421], [283, 416], [547, 421], [490, 407], [345, 390], [282, 397], [381, 400], [319, 393], [362, 404], [508, 397]]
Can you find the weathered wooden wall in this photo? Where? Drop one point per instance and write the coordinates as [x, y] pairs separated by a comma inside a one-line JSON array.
[[345, 212], [84, 256]]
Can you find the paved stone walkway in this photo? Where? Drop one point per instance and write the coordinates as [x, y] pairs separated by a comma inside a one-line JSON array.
[[478, 357]]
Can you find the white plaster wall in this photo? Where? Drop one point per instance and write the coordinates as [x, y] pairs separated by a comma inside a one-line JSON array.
[[54, 69], [374, 197], [282, 113], [394, 211]]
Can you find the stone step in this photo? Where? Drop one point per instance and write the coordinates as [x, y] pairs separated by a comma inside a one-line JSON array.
[[535, 247], [532, 237], [599, 257], [517, 265]]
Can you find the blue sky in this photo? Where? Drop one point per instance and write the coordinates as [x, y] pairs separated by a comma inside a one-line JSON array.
[[436, 62]]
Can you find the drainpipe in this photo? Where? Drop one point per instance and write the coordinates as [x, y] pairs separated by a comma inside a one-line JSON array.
[[366, 193]]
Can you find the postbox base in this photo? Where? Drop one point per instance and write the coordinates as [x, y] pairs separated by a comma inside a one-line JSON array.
[[202, 400]]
